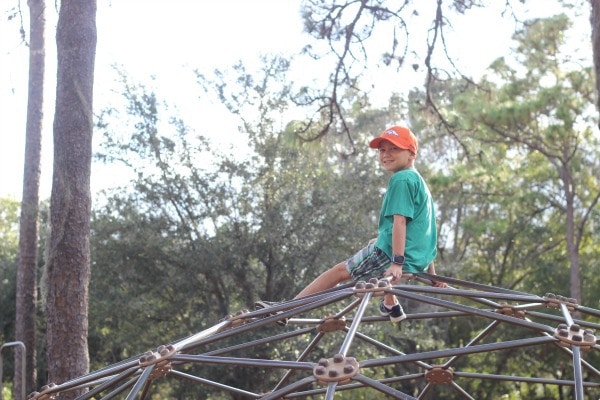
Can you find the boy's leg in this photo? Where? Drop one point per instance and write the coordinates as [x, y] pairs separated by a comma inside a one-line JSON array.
[[326, 280], [389, 299], [391, 307]]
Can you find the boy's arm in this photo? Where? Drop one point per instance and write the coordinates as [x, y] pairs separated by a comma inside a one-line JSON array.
[[398, 246]]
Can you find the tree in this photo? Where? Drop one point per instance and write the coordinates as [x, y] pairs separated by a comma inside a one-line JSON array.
[[359, 37], [533, 121], [9, 248], [595, 23], [68, 257], [27, 285]]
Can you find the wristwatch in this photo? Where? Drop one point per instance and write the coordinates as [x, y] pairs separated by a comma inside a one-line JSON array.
[[398, 259]]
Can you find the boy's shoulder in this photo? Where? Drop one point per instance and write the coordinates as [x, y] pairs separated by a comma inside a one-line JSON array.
[[406, 174]]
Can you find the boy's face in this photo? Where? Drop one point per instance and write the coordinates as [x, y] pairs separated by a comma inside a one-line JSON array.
[[393, 158]]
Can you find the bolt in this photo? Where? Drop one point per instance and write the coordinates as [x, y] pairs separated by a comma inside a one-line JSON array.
[[324, 362], [563, 333], [589, 338], [319, 370], [333, 373], [338, 358]]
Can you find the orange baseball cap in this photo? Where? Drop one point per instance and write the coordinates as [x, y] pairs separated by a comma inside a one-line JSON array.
[[400, 136]]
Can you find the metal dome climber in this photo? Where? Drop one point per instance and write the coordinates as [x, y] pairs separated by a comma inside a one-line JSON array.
[[349, 334]]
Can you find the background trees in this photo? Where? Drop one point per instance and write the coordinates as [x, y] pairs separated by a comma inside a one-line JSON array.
[[529, 126], [202, 231], [268, 218]]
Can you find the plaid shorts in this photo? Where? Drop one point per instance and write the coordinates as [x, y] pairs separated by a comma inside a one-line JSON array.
[[369, 262]]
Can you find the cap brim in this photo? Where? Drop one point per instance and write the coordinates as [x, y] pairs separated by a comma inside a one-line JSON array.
[[374, 144]]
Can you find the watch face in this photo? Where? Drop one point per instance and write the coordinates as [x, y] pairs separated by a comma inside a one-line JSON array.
[[398, 259]]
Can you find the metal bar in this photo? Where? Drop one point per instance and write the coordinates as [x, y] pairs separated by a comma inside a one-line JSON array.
[[215, 384], [252, 362], [270, 339], [281, 393], [462, 391], [472, 294], [526, 379], [577, 375], [472, 310], [587, 310], [83, 381], [385, 347], [347, 309], [474, 285], [566, 313], [488, 329], [458, 351], [119, 389], [330, 392], [382, 388], [21, 345], [354, 327], [141, 381], [313, 343], [301, 305], [556, 318], [109, 382]]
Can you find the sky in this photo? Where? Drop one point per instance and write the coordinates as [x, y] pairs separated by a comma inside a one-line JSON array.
[[168, 39]]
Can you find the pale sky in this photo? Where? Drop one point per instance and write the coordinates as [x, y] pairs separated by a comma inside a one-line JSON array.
[[168, 39]]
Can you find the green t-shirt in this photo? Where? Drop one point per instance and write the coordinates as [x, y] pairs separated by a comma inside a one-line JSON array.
[[408, 195]]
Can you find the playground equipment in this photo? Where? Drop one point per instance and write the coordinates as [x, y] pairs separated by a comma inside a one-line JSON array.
[[16, 344], [336, 334]]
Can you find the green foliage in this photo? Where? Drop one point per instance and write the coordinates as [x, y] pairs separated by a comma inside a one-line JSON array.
[[521, 152], [202, 232], [9, 250]]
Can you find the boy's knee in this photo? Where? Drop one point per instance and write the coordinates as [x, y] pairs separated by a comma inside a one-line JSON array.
[[341, 271]]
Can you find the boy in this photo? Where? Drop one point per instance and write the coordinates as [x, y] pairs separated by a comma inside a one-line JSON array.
[[407, 235]]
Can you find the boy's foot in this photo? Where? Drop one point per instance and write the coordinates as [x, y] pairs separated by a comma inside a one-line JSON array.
[[396, 313], [262, 304]]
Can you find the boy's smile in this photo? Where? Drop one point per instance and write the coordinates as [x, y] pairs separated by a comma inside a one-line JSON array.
[[393, 158]]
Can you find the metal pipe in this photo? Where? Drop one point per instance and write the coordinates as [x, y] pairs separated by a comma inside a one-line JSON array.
[[23, 369]]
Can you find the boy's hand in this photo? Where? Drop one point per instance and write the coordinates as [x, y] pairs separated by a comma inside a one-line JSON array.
[[439, 284], [395, 271]]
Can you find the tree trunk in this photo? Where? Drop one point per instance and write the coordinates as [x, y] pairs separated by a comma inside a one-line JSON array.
[[68, 251], [572, 248], [28, 232], [595, 22]]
